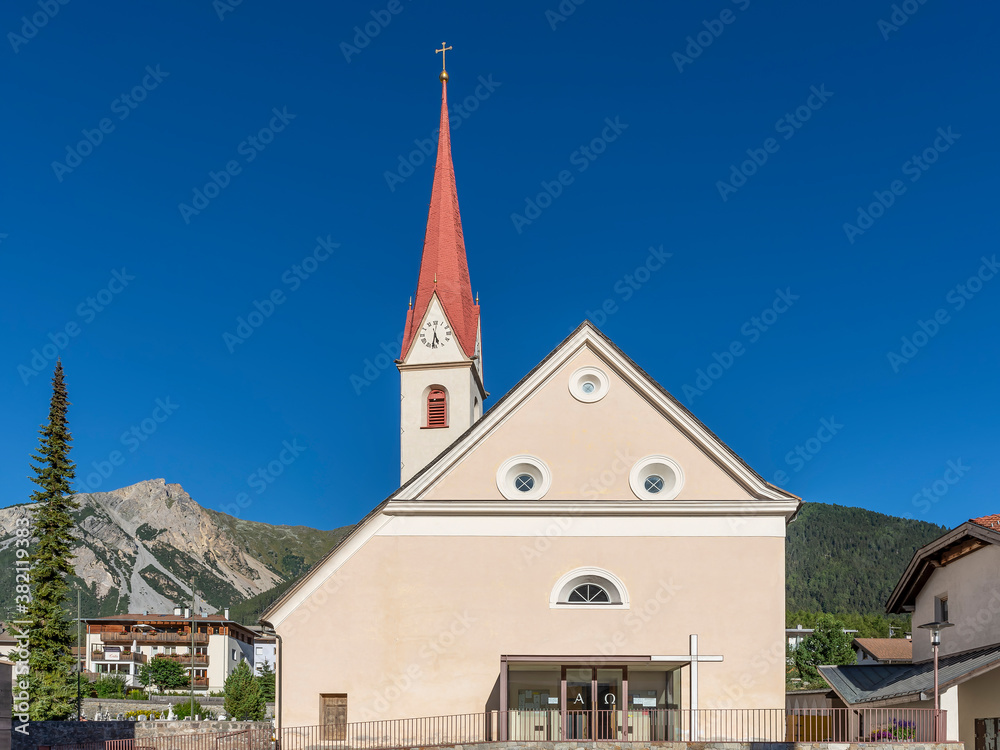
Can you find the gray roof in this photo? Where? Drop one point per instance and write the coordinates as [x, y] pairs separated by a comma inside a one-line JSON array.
[[880, 682]]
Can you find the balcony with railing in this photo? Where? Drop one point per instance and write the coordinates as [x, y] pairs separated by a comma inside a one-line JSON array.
[[199, 660], [200, 639], [120, 656]]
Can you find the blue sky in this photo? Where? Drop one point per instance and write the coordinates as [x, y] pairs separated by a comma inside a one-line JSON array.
[[746, 136]]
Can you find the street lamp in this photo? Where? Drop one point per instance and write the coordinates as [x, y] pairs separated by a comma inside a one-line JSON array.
[[936, 627]]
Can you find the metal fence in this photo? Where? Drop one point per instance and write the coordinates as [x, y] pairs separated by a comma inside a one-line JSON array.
[[881, 725]]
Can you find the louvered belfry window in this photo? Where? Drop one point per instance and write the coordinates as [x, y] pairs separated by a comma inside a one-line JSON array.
[[437, 409]]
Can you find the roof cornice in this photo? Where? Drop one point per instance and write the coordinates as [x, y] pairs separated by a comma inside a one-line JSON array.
[[935, 554]]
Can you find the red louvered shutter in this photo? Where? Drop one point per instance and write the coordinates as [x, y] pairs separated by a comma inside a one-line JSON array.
[[437, 409]]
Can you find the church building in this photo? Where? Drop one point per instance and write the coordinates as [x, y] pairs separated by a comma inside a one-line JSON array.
[[584, 560]]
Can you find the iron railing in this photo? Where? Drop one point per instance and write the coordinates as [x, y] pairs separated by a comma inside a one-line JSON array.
[[141, 637], [880, 725]]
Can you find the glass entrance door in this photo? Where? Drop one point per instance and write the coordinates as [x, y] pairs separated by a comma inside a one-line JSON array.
[[609, 703]]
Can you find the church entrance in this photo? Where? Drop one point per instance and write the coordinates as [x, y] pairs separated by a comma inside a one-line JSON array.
[[558, 701]]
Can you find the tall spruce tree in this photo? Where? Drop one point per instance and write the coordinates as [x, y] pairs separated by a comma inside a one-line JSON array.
[[51, 680], [244, 700]]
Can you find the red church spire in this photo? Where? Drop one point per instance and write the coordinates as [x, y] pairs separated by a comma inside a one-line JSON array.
[[444, 269]]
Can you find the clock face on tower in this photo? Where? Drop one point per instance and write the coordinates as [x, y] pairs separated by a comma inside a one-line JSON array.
[[435, 334]]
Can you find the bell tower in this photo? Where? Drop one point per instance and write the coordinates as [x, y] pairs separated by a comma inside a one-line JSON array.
[[440, 365]]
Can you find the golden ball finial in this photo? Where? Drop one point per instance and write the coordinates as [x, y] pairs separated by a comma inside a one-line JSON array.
[[443, 76]]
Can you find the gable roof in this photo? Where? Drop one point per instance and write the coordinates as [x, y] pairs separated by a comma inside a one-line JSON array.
[[886, 649], [946, 549], [861, 683], [990, 522], [586, 334]]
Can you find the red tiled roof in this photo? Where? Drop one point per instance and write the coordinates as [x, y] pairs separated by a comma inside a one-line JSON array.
[[990, 522], [887, 649], [444, 268]]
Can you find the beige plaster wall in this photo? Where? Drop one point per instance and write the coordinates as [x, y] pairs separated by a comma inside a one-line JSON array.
[[416, 625], [979, 698], [972, 585], [589, 447]]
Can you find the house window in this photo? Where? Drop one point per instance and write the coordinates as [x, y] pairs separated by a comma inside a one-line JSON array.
[[234, 654], [259, 650], [941, 608], [589, 587], [437, 408]]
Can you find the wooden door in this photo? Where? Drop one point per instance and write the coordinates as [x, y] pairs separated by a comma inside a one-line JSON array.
[[987, 734], [333, 715]]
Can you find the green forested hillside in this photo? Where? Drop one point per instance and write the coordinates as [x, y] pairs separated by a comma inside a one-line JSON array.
[[841, 559]]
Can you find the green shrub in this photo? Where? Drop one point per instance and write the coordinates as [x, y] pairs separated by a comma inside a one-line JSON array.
[[192, 707], [109, 686], [137, 695]]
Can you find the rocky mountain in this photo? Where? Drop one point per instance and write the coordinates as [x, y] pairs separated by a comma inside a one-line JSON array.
[[146, 547]]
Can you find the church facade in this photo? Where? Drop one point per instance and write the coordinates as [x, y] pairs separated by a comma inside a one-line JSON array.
[[585, 548]]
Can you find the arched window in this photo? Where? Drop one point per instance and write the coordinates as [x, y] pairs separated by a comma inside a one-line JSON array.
[[437, 408], [589, 587]]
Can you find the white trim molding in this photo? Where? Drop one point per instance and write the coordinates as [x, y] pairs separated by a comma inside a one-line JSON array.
[[559, 597]]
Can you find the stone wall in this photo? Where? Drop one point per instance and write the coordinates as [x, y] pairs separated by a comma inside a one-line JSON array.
[[147, 729], [48, 733], [6, 700], [67, 732]]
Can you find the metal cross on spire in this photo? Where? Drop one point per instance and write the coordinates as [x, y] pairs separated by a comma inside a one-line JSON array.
[[442, 51]]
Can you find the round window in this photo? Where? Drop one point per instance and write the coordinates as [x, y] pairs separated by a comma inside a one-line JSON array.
[[523, 478], [656, 478], [588, 384]]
